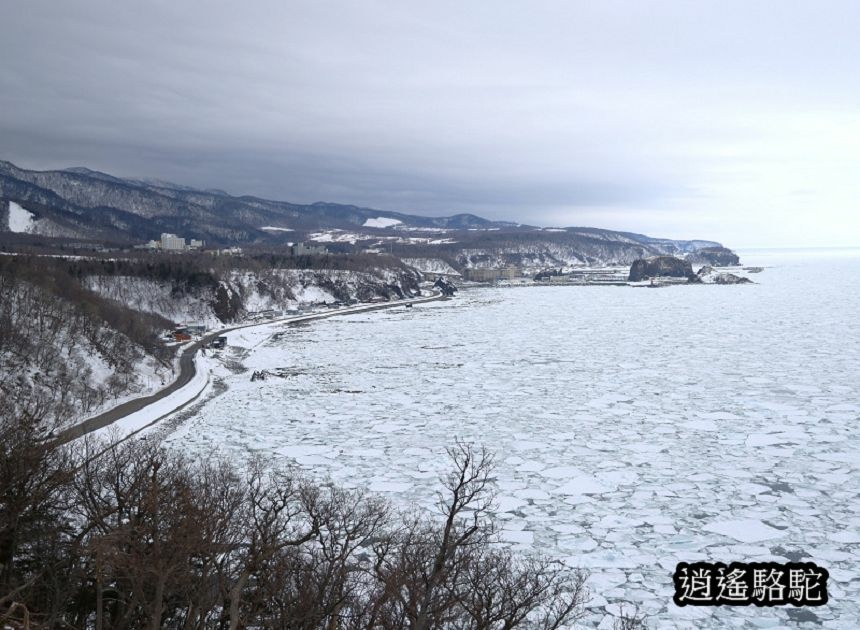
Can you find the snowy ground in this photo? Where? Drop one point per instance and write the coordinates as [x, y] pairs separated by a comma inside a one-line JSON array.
[[150, 374], [633, 429], [139, 420]]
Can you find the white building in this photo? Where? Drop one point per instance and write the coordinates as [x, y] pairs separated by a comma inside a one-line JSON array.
[[171, 242]]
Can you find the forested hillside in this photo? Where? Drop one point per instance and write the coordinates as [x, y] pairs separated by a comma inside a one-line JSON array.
[[65, 352]]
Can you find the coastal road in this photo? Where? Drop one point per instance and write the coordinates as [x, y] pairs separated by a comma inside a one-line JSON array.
[[187, 369]]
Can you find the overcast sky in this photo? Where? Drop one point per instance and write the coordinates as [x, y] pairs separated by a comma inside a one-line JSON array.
[[734, 121]]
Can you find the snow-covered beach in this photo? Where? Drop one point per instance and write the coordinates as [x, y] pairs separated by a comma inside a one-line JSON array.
[[633, 429]]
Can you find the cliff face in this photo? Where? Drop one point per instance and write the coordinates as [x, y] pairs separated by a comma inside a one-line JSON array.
[[660, 266], [539, 253], [539, 249], [715, 256], [233, 296]]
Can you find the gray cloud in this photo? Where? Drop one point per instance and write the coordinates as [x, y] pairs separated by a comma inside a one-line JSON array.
[[672, 118]]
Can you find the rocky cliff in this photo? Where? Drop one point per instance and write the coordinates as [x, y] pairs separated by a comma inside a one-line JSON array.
[[234, 296], [660, 267], [714, 256]]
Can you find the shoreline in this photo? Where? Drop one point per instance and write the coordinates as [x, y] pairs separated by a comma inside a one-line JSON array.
[[189, 375], [187, 387]]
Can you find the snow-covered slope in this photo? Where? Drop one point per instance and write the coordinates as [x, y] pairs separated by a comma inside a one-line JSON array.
[[59, 360], [431, 265], [148, 295], [20, 220], [241, 293]]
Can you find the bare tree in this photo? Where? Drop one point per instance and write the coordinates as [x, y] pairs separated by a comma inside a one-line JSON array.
[[34, 535], [454, 574], [280, 513], [323, 584], [630, 620], [137, 536]]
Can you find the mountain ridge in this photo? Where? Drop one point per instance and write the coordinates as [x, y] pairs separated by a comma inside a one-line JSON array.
[[81, 203]]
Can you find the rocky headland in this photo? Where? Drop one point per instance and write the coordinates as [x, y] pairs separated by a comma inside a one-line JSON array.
[[660, 267]]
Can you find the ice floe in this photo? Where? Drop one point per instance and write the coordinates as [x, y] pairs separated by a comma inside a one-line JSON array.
[[746, 530], [632, 429]]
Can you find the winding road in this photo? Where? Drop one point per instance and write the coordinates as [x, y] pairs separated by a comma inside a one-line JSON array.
[[188, 370]]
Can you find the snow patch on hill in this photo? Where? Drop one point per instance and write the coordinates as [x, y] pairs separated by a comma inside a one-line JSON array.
[[381, 222], [336, 236], [21, 220], [273, 228]]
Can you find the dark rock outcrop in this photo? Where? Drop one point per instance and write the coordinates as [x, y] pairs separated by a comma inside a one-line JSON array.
[[227, 303], [715, 256], [660, 267], [447, 288], [546, 274], [730, 278], [709, 275]]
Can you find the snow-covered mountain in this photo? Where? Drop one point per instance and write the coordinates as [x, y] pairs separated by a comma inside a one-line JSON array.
[[79, 203]]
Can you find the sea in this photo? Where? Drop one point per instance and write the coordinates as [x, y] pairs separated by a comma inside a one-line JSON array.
[[632, 428]]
